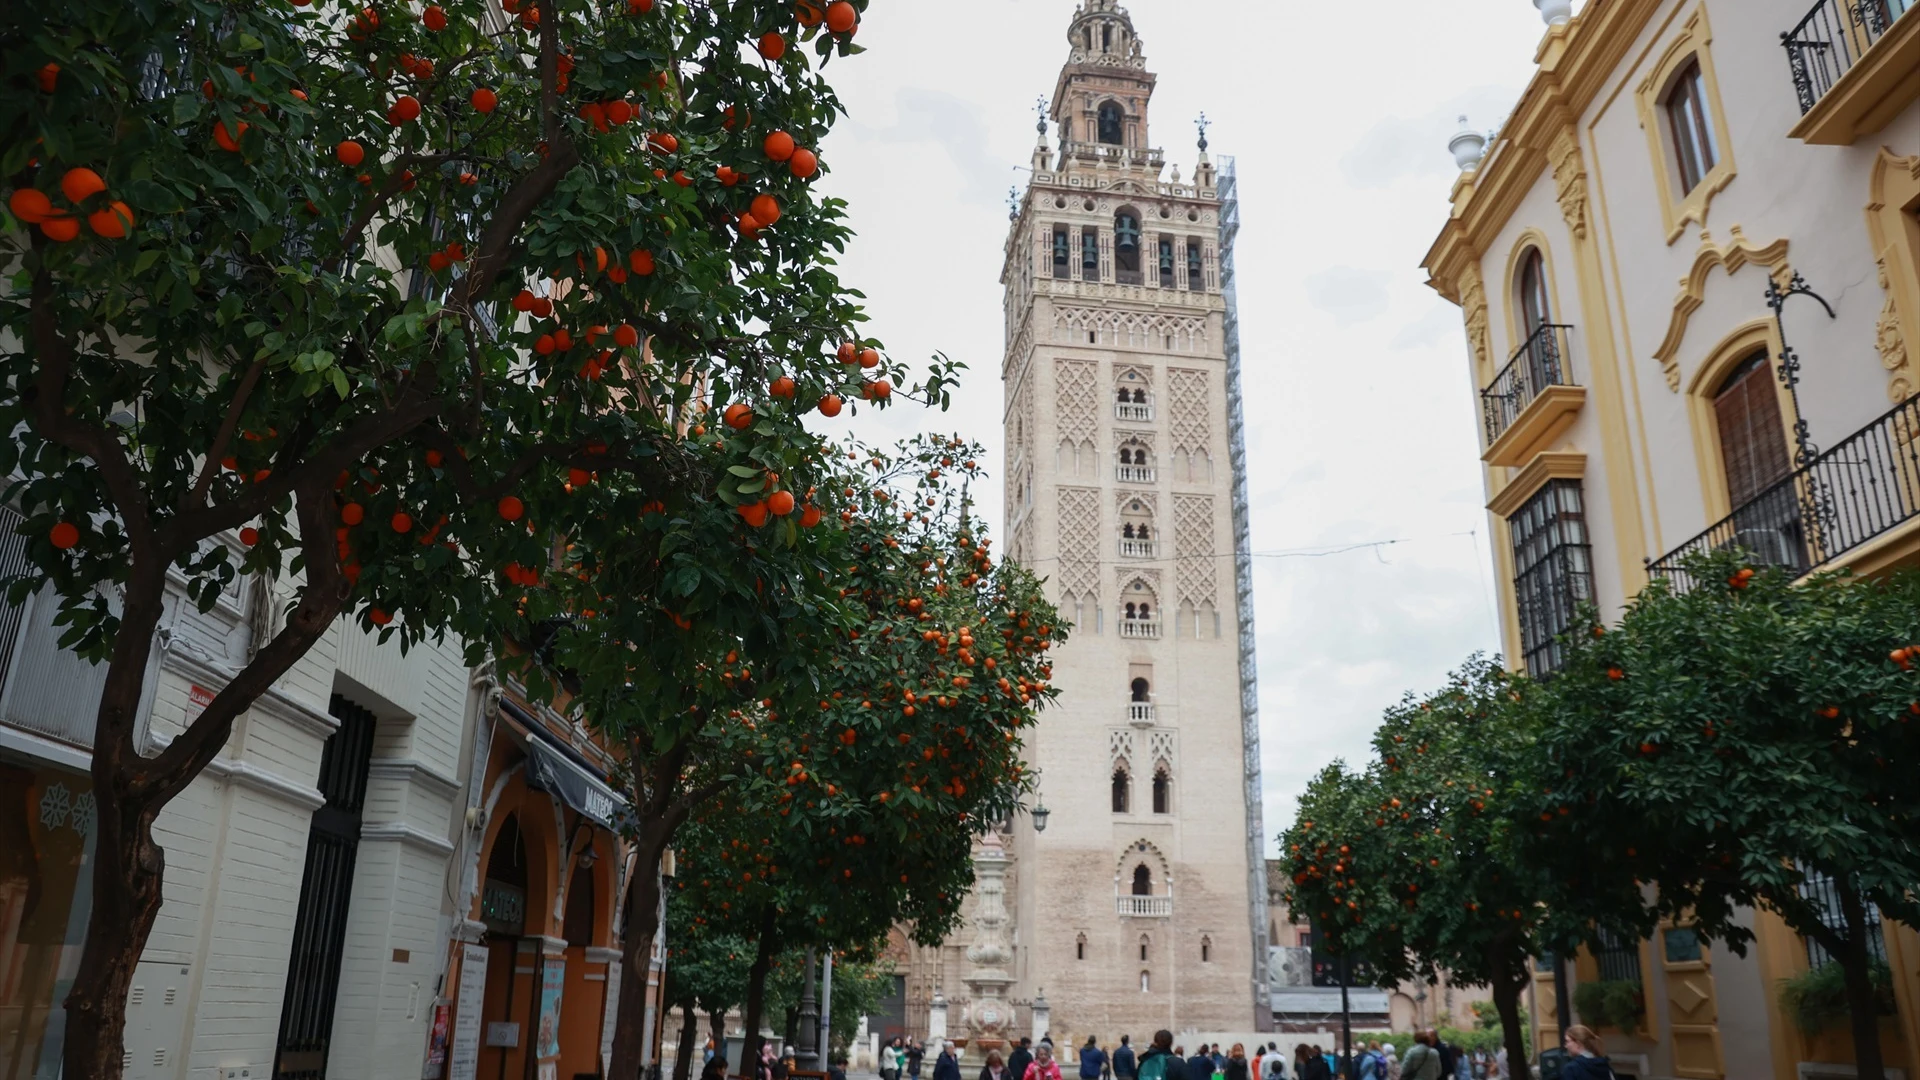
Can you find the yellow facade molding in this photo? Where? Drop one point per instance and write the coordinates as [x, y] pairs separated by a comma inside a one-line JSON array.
[[1546, 466], [1731, 256], [1894, 196], [1877, 88], [1691, 43]]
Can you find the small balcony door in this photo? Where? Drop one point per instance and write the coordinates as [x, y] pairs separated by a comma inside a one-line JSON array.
[[1755, 457]]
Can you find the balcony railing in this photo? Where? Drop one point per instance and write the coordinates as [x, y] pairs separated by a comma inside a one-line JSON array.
[[1144, 907], [1861, 488], [1134, 474], [1140, 713], [1832, 38], [1131, 548], [1136, 412], [1539, 363], [1140, 628]]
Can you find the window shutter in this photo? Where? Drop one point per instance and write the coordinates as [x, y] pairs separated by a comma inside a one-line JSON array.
[[1752, 445]]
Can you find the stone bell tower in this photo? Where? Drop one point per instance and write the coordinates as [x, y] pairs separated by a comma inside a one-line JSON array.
[[1143, 902]]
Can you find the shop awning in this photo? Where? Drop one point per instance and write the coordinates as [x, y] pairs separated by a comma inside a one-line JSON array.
[[552, 769]]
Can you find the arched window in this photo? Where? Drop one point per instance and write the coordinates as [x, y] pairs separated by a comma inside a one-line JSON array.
[[1127, 530], [579, 925], [1142, 880], [1139, 688], [1126, 246], [1141, 532], [503, 898], [1122, 789], [1162, 791], [1126, 456], [1139, 397], [1130, 611], [1106, 37], [1123, 395], [1694, 146], [1062, 253], [1536, 307], [1206, 950], [1080, 947], [1144, 942], [1111, 121]]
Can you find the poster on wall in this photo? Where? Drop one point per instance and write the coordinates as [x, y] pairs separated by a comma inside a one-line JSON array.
[[609, 1015], [463, 1057], [553, 977], [437, 1034]]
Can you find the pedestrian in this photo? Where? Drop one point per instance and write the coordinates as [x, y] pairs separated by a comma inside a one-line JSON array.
[[1237, 1068], [1093, 1060], [946, 1066], [916, 1051], [1448, 1054], [890, 1059], [1162, 1061], [995, 1068], [1589, 1061], [1200, 1065], [1422, 1061], [1219, 1059], [1021, 1057], [837, 1068], [714, 1069], [1043, 1067], [1316, 1067], [1124, 1065], [1274, 1065], [1392, 1055], [764, 1070], [1369, 1065]]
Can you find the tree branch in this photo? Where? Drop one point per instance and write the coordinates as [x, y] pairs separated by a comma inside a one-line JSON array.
[[211, 467]]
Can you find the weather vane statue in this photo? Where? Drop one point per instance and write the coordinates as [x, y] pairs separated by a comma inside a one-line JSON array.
[[1202, 124], [1040, 110]]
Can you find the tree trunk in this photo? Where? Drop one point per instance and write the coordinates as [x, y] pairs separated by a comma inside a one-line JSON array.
[[689, 1031], [1856, 963], [757, 995], [1506, 1001], [636, 956]]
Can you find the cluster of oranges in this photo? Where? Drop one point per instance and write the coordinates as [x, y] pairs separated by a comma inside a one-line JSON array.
[[110, 218]]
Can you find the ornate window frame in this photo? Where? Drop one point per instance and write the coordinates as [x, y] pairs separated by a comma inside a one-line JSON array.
[[1704, 422], [1894, 232], [1530, 239], [1677, 208]]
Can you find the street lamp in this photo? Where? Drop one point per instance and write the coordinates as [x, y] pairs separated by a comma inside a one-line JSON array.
[[1039, 811]]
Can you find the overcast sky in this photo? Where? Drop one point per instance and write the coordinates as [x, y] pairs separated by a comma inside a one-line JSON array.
[[1360, 413]]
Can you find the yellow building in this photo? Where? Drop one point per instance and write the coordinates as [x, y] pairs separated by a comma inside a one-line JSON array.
[[1689, 266]]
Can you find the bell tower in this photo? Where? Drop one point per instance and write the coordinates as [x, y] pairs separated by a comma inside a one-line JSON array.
[[1143, 902]]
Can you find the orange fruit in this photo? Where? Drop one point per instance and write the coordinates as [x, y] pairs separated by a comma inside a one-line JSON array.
[[869, 358], [579, 477], [484, 100], [878, 390], [641, 261], [64, 535], [755, 514], [781, 503], [663, 141], [830, 405], [772, 45], [810, 517], [803, 164], [618, 112], [626, 336], [765, 209], [353, 513], [511, 508], [782, 387], [112, 222], [434, 459], [79, 183], [228, 139], [61, 228], [841, 16], [30, 205], [849, 352], [405, 110], [401, 522], [434, 18], [738, 416], [249, 536], [779, 146], [350, 153], [378, 617], [639, 7], [49, 76]]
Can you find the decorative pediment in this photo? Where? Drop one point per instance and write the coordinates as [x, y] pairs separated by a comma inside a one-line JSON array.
[[1731, 256]]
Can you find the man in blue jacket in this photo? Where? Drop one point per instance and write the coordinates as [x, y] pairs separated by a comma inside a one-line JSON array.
[[1123, 1066], [1093, 1060]]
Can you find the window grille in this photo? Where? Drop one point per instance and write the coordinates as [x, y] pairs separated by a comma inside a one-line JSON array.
[[1553, 571]]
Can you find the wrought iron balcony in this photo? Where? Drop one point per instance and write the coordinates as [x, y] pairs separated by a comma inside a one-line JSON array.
[[1140, 628], [1144, 907], [1862, 488], [1140, 713], [1134, 474], [1133, 411], [1542, 361], [1131, 548], [1832, 38]]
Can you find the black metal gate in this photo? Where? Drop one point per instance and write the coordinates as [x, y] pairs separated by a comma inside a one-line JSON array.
[[320, 929]]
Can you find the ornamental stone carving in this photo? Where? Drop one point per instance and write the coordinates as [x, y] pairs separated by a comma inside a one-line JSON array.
[[1570, 182]]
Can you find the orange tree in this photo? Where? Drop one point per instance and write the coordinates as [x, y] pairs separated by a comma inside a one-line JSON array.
[[859, 806], [1418, 864], [871, 636], [362, 298], [706, 971], [1744, 743]]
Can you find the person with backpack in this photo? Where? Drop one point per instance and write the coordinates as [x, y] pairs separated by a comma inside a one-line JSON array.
[[1588, 1062], [1124, 1066], [1160, 1061], [1093, 1060], [1422, 1061]]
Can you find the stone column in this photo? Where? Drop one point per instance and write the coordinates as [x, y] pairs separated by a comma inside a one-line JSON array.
[[988, 1015], [936, 1022], [1042, 1015]]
